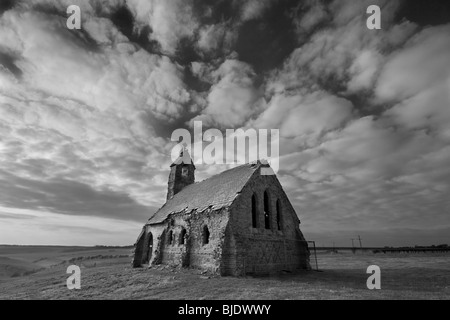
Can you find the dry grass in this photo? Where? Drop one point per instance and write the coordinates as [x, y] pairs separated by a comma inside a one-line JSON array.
[[424, 276]]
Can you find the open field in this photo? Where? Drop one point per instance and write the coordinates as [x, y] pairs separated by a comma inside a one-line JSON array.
[[106, 274], [17, 261]]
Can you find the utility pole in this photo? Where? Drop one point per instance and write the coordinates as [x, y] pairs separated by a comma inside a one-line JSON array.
[[353, 245], [360, 244]]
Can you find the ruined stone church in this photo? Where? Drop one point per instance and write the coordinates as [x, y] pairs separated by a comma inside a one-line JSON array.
[[235, 223]]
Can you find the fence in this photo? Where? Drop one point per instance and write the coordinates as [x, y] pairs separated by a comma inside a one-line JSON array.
[[312, 245]]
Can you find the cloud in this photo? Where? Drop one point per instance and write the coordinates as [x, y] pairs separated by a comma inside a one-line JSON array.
[[348, 12], [427, 110], [82, 110], [254, 9], [233, 98], [117, 77], [305, 116], [342, 54], [86, 115], [67, 230], [364, 70], [170, 20], [369, 149], [371, 175], [69, 197], [309, 14], [217, 39], [411, 70]]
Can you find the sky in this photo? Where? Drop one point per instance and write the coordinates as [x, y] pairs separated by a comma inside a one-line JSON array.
[[86, 116]]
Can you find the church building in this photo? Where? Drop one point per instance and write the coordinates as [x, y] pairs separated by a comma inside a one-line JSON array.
[[235, 223]]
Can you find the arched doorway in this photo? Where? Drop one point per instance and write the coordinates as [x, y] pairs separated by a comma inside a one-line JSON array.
[[149, 248]]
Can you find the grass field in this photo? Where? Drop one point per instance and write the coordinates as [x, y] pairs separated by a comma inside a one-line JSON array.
[[40, 273]]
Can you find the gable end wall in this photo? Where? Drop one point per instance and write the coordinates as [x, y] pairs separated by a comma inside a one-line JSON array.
[[262, 251]]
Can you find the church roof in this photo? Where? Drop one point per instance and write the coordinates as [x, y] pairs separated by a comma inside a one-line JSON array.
[[217, 192]]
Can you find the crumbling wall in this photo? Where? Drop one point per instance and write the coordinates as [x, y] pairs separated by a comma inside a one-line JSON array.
[[175, 252], [208, 256], [260, 250], [158, 232], [138, 250], [143, 253], [191, 251], [229, 263]]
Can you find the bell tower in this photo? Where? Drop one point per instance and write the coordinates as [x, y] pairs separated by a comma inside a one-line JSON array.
[[181, 173]]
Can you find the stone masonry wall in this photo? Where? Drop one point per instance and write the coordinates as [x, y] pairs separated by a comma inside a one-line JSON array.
[[208, 256], [258, 250], [193, 252]]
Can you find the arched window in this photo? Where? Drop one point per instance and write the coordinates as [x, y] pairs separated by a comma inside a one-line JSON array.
[[170, 237], [266, 210], [182, 236], [205, 235], [149, 249], [254, 212], [279, 214]]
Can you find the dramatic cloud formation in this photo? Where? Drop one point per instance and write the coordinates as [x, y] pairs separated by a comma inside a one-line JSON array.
[[232, 98], [170, 20], [86, 116]]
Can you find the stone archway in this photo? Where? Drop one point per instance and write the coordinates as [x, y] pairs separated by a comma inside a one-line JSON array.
[[148, 249], [139, 250]]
